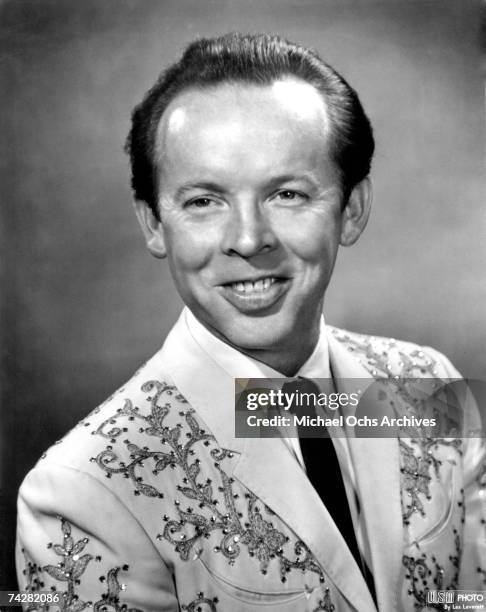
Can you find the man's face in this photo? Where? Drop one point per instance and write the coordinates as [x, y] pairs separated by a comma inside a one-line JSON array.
[[250, 209]]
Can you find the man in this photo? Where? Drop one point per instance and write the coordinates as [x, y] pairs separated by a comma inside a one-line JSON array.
[[250, 162]]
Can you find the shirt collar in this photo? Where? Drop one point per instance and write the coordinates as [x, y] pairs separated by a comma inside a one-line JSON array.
[[239, 365]]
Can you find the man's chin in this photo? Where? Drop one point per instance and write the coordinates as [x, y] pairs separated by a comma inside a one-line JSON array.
[[262, 336], [245, 333]]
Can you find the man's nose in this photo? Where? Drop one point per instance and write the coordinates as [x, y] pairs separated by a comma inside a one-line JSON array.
[[249, 231]]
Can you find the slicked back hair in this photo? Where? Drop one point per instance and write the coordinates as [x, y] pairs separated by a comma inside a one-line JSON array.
[[259, 59]]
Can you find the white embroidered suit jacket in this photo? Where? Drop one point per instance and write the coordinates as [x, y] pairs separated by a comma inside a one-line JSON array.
[[152, 504]]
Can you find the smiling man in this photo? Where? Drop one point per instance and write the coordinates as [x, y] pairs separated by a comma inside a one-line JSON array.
[[250, 161]]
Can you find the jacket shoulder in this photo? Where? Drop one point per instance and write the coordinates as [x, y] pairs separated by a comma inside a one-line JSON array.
[[385, 357], [121, 417]]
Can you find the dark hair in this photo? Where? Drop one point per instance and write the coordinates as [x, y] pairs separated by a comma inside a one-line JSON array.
[[258, 59]]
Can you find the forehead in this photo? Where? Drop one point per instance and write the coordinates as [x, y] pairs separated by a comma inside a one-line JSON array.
[[284, 107]]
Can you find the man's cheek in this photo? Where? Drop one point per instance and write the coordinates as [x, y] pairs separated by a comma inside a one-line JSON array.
[[308, 235], [190, 253], [314, 250]]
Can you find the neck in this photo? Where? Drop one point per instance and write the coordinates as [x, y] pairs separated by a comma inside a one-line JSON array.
[[285, 361], [288, 354]]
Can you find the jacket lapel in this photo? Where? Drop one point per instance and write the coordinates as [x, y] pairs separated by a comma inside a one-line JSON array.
[[204, 384], [377, 470], [266, 466]]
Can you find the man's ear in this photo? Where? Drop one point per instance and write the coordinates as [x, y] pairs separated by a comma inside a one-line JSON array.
[[356, 212], [152, 229]]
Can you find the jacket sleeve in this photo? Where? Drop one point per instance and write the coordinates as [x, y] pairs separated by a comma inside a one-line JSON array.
[[78, 541], [472, 574]]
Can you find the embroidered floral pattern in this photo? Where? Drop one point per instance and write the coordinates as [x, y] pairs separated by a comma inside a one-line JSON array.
[[261, 538], [34, 583], [413, 376], [111, 599], [325, 603], [424, 574], [419, 464], [378, 360], [215, 508], [70, 571], [415, 479], [415, 471], [201, 604]]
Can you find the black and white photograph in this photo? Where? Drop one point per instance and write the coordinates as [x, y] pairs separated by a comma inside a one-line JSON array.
[[214, 210]]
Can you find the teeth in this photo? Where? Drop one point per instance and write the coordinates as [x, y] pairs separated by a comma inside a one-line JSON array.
[[253, 286]]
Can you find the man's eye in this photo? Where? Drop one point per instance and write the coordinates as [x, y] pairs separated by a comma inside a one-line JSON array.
[[201, 202], [287, 195]]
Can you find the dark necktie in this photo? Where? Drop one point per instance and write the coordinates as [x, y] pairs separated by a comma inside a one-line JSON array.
[[324, 473]]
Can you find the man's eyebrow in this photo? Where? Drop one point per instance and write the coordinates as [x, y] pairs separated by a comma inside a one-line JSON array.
[[206, 185], [288, 178]]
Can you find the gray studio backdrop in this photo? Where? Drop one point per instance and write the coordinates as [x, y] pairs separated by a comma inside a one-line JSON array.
[[84, 304]]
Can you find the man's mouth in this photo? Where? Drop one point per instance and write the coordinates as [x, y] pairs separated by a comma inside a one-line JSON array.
[[253, 295], [256, 286]]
